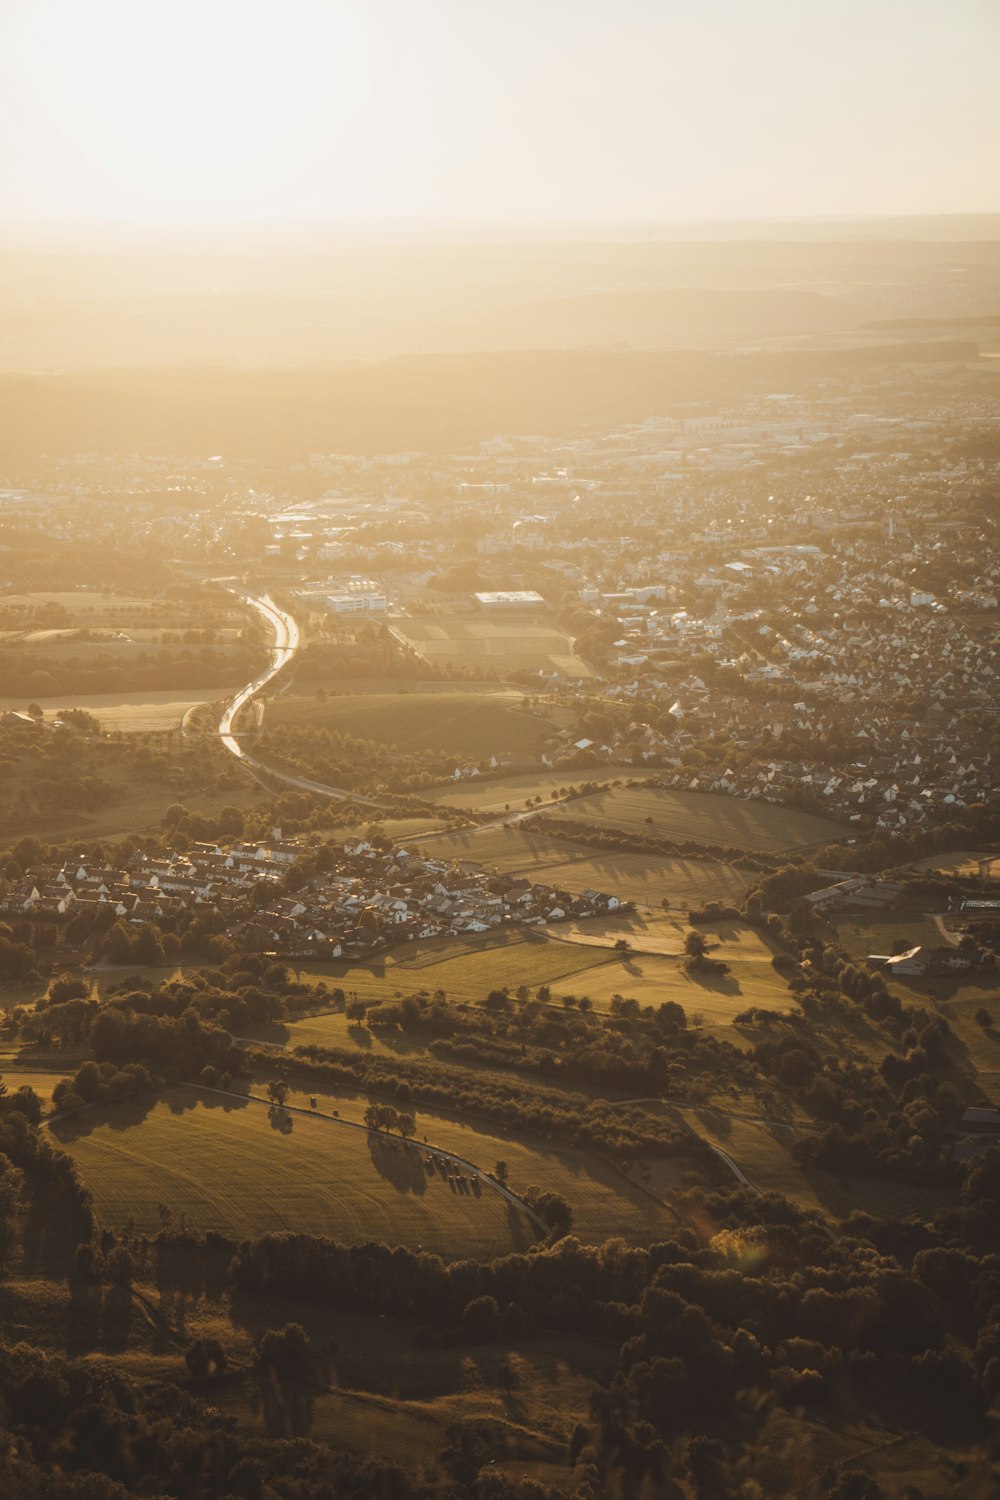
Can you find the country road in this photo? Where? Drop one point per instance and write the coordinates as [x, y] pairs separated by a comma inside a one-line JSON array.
[[283, 648]]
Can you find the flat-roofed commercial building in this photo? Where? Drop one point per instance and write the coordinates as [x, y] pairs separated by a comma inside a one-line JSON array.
[[510, 599]]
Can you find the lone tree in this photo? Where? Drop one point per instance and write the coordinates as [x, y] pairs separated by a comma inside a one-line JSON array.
[[500, 1173], [623, 946], [277, 1092], [695, 945]]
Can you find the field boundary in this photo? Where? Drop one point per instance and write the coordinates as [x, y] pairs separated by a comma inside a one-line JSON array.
[[316, 1114]]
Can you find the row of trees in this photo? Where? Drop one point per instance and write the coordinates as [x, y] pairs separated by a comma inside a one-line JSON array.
[[384, 1117]]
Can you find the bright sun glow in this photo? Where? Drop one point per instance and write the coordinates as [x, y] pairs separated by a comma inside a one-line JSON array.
[[284, 110], [197, 98]]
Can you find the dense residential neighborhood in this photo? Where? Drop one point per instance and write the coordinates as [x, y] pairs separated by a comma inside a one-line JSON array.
[[364, 900]]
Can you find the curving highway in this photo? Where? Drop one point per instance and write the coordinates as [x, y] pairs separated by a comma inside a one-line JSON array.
[[283, 648]]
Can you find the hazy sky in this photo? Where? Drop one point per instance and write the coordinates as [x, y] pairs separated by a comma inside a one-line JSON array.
[[224, 110]]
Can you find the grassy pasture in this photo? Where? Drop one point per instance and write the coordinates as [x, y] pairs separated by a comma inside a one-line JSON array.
[[973, 862], [223, 1164], [643, 878], [646, 933], [465, 969], [956, 995], [567, 959], [92, 606], [495, 794], [131, 713], [701, 818], [390, 1396], [604, 1202], [763, 1152], [503, 644], [141, 806], [867, 932], [464, 724], [42, 1080], [652, 977]]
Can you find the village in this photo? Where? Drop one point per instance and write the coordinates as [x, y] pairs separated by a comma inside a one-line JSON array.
[[365, 899]]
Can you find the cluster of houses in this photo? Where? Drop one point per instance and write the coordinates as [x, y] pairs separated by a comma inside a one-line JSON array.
[[921, 960], [851, 606], [369, 898]]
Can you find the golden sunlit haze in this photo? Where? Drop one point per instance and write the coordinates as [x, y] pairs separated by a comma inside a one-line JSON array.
[[222, 110]]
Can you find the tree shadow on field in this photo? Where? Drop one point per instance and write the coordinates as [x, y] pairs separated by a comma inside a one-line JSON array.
[[720, 984], [275, 1032], [522, 1231], [399, 1165], [280, 1120], [188, 1099], [193, 1269], [714, 1123], [116, 1318], [120, 1117], [51, 1229], [83, 1316], [726, 931], [286, 1407]]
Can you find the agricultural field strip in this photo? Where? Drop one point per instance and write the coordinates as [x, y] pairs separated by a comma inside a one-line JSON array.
[[312, 1114], [701, 817], [460, 724], [605, 1200], [636, 877], [250, 1174]]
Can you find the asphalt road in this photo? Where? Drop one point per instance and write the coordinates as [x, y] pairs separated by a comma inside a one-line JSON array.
[[285, 644], [284, 647]]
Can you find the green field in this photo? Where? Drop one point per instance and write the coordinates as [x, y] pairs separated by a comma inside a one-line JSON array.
[[510, 793], [604, 1203], [223, 1164], [646, 879], [571, 959], [144, 794], [763, 1152], [472, 724], [468, 968], [132, 713], [976, 862], [490, 641], [867, 932], [392, 1397], [467, 971], [701, 818]]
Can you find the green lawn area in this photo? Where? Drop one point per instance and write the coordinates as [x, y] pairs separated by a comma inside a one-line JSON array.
[[223, 1163], [867, 932], [502, 643], [644, 878], [604, 1203], [510, 793], [763, 1152], [701, 818], [465, 969], [474, 723], [226, 1165]]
